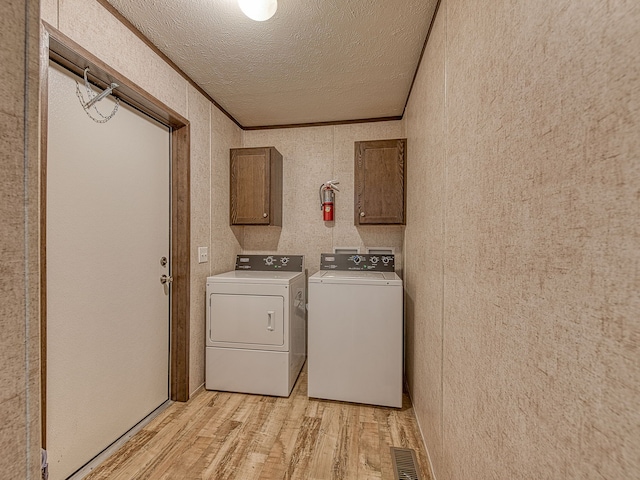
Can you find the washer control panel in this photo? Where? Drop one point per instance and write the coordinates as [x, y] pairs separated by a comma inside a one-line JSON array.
[[270, 263], [358, 262]]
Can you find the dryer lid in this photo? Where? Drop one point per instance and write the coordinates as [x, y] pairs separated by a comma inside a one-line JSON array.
[[251, 276]]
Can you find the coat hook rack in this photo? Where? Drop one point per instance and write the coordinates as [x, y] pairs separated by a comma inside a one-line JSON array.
[[95, 98]]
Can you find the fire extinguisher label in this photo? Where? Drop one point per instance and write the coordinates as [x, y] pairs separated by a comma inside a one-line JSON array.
[[327, 208]]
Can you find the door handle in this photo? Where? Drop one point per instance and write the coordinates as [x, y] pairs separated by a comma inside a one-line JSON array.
[[270, 320], [165, 279]]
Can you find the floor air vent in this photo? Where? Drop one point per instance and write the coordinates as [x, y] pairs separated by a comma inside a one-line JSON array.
[[405, 464]]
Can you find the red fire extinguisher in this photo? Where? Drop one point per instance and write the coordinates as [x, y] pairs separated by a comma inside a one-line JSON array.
[[326, 199]]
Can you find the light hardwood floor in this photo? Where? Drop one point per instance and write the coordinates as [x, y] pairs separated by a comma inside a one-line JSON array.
[[220, 435]]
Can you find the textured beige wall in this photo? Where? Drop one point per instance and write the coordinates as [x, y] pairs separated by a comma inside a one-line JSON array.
[[212, 135], [424, 242], [534, 319], [311, 156], [225, 241], [19, 239], [199, 114], [93, 27]]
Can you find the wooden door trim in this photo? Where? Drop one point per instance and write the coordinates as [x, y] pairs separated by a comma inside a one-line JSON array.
[[61, 49]]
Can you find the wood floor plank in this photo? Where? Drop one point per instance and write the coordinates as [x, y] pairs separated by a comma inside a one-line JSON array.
[[222, 408], [154, 451], [231, 436], [168, 452], [384, 444], [344, 463], [368, 451], [125, 454], [264, 439], [326, 445], [187, 459], [277, 464], [300, 459], [242, 453]]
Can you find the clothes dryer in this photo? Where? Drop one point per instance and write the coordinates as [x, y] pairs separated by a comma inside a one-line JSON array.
[[256, 328], [356, 330]]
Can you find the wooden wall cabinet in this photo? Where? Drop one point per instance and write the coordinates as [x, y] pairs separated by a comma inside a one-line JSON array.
[[256, 186], [379, 182]]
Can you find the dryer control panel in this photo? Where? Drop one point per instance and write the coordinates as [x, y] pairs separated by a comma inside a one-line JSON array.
[[270, 263], [357, 262]]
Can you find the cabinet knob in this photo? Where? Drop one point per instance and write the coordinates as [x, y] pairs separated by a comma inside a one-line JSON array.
[[264, 215], [362, 214]]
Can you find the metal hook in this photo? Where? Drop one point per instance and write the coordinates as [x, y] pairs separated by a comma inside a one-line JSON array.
[[100, 96]]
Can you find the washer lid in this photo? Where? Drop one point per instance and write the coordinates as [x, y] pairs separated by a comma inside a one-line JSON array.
[[355, 277], [252, 276]]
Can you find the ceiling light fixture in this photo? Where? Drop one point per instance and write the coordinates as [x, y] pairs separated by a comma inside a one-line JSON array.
[[258, 10]]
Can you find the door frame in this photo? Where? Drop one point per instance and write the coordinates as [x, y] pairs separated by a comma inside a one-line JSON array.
[[57, 47]]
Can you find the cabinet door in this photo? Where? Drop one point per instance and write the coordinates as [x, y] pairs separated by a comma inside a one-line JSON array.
[[379, 182], [250, 186]]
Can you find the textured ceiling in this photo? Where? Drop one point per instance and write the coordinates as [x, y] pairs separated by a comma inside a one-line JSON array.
[[313, 61]]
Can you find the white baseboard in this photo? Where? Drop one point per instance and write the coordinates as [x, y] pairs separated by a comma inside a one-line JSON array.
[[424, 443], [196, 391]]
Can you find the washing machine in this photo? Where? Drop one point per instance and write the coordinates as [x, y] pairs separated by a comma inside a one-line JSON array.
[[356, 330], [256, 328]]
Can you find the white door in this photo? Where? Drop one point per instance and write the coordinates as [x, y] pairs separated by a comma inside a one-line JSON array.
[[108, 213]]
